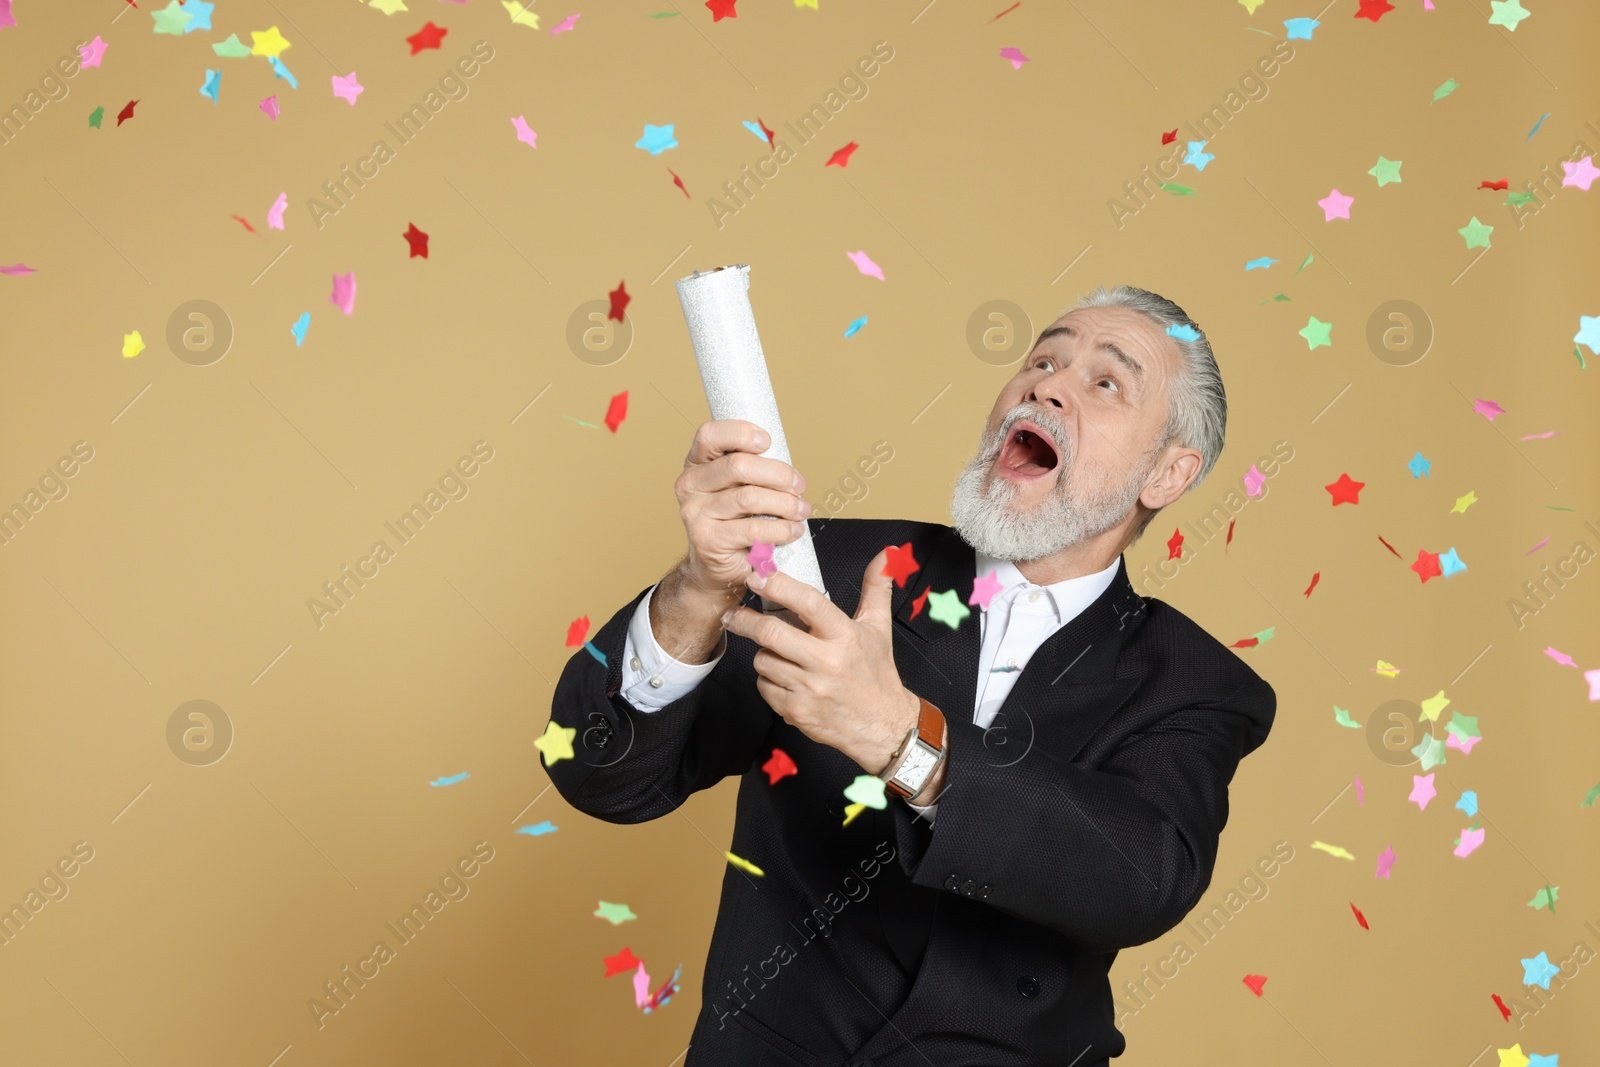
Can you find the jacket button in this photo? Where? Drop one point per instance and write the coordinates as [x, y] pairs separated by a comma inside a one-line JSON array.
[[1028, 986], [983, 891], [953, 882], [967, 887]]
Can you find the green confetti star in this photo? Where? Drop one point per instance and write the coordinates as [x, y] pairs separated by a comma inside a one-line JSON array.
[[96, 115], [1590, 797], [1463, 725], [1178, 190], [1342, 717], [1430, 750], [1386, 171], [946, 607], [1450, 86], [1279, 297], [1476, 233], [231, 48], [1546, 898], [615, 914], [1507, 13], [1517, 199], [172, 18], [1305, 264], [1317, 333]]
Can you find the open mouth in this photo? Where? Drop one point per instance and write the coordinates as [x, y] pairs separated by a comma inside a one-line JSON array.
[[1028, 452]]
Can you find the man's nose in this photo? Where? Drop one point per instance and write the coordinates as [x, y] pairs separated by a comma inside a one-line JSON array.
[[1048, 390]]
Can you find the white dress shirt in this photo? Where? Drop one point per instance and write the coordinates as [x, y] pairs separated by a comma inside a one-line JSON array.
[[1017, 621]]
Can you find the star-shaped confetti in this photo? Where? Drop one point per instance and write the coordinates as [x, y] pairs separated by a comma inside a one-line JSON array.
[[1316, 333], [427, 37], [1538, 970], [565, 25], [1588, 332], [1582, 173], [1593, 678], [1253, 481], [1015, 56], [1183, 331], [1342, 717], [722, 9], [1345, 491], [389, 7], [556, 744], [1430, 750], [344, 292], [984, 588], [232, 48], [520, 15], [867, 789], [1419, 466], [93, 52], [760, 558], [538, 829], [922, 598], [1262, 263], [779, 765], [1427, 565], [615, 914], [1468, 802], [1299, 29], [201, 10], [1432, 706], [624, 961], [744, 864], [1384, 669], [855, 326], [616, 411], [946, 607], [1476, 234], [525, 134], [301, 325], [1197, 158], [900, 563], [619, 300], [1464, 502], [1386, 171], [1507, 13], [657, 139], [1487, 408], [275, 212], [270, 108], [1450, 563], [1460, 743], [1546, 898], [1422, 790], [417, 240], [1335, 205], [1469, 841], [841, 156], [1175, 544], [268, 42], [171, 19], [1374, 9], [126, 113], [213, 85], [96, 116], [1450, 85], [348, 88], [1463, 726], [865, 265], [1560, 656], [132, 344], [1251, 5]]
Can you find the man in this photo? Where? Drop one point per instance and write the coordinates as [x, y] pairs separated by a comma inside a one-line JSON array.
[[1057, 754]]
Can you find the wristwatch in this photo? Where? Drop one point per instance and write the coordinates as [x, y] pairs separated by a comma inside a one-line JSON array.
[[922, 750]]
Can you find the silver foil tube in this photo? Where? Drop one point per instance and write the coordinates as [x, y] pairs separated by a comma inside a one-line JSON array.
[[722, 327]]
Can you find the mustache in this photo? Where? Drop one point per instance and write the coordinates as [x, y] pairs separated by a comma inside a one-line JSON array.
[[1047, 421]]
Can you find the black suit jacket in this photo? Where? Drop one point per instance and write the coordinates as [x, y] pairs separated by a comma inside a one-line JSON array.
[[1084, 820]]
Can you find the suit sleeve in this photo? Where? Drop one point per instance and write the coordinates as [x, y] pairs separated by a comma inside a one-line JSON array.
[[1111, 857], [651, 678], [630, 765]]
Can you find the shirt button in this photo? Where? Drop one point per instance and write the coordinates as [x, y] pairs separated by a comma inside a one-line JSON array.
[[1028, 986], [1032, 597], [1012, 662], [634, 663], [656, 682]]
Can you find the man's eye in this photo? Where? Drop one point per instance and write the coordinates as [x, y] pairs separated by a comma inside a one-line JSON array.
[[1044, 359], [1111, 382]]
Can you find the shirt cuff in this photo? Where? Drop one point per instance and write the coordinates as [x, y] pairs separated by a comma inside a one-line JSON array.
[[928, 812], [651, 679]]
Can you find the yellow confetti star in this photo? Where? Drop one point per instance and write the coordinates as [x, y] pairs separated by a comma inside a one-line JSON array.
[[1513, 1056], [132, 344], [812, 4], [389, 7], [267, 43], [1387, 670], [740, 861], [1251, 5], [1333, 850], [520, 14], [1434, 705], [556, 744], [1465, 502], [851, 811]]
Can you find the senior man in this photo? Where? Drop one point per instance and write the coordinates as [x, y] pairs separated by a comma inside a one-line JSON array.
[[1056, 749]]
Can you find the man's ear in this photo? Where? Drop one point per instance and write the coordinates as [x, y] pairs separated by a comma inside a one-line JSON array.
[[1174, 473]]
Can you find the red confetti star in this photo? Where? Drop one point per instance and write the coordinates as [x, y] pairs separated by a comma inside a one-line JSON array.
[[617, 411], [922, 598], [622, 961], [126, 113], [1315, 578], [779, 765], [619, 300], [1175, 544], [418, 241], [678, 181], [1346, 490], [427, 37], [1248, 642], [1427, 565], [1229, 541], [765, 131], [1008, 10], [1505, 1012], [1168, 138], [1390, 547], [841, 158], [1255, 982], [244, 222], [1374, 9], [1503, 183], [901, 565], [577, 630], [722, 9], [1360, 918]]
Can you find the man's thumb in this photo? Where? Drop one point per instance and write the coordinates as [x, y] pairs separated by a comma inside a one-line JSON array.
[[875, 586]]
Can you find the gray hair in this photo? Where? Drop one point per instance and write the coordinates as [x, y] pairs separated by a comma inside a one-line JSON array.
[[1197, 414]]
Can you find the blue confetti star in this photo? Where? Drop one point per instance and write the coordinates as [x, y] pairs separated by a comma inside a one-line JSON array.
[[1536, 1060], [855, 327], [1183, 332], [1419, 466], [755, 128], [201, 12], [597, 654], [452, 780], [1589, 332], [283, 71], [213, 85], [1300, 28], [1196, 158], [1538, 971], [657, 139], [1264, 262], [301, 325], [1450, 563], [537, 829], [1468, 802], [1536, 126]]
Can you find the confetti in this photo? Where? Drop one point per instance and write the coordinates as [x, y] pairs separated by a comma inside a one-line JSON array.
[[538, 829], [1345, 490], [657, 139], [556, 743], [865, 265], [619, 300], [451, 780], [841, 156], [743, 864], [344, 292], [301, 325], [568, 23], [270, 106], [132, 344], [1333, 850], [1015, 56], [275, 213], [855, 326], [526, 135], [617, 411], [779, 766], [427, 37], [615, 914]]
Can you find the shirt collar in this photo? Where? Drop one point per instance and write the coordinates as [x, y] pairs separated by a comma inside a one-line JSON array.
[[1069, 596]]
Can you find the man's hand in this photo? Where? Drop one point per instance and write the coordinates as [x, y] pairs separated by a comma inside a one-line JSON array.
[[837, 683]]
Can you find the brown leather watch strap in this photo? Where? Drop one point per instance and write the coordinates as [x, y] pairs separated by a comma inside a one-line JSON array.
[[930, 729]]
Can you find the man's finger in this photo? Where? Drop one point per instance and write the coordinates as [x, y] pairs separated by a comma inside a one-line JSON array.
[[821, 615], [876, 603]]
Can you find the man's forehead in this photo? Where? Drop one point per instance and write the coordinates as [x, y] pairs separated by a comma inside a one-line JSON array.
[[1115, 323]]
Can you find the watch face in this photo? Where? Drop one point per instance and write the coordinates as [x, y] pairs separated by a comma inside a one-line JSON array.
[[918, 765]]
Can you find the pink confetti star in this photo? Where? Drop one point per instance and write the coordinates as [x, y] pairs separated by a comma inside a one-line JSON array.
[[1253, 481], [1016, 57], [1335, 206], [1559, 656], [1422, 790], [93, 51], [270, 106], [524, 134], [6, 18], [984, 589], [344, 292], [865, 265], [348, 88], [1360, 792], [1488, 409], [565, 24], [1470, 840], [1593, 678], [18, 268], [1463, 743], [1385, 862], [1537, 547], [641, 986], [275, 213], [760, 557], [1582, 173]]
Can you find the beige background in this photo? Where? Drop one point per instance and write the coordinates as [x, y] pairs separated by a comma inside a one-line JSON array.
[[220, 498]]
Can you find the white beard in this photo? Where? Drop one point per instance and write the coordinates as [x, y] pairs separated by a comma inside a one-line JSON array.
[[990, 522]]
